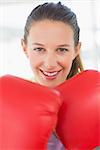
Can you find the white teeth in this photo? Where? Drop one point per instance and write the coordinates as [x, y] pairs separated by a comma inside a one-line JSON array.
[[50, 74]]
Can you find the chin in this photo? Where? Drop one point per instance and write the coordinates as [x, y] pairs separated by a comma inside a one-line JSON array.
[[49, 85]]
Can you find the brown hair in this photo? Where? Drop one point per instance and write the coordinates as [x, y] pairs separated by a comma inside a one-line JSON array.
[[76, 68]]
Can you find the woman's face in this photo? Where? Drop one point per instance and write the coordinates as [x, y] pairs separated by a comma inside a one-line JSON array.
[[50, 50]]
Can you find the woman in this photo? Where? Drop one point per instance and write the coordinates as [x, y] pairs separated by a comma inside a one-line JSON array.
[[51, 43]]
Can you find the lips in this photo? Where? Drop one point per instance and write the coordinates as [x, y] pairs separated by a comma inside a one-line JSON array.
[[50, 75]]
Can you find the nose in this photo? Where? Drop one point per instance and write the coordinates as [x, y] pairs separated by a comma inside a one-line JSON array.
[[50, 62]]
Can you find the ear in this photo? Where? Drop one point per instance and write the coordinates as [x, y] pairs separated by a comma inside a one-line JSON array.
[[77, 49], [24, 46]]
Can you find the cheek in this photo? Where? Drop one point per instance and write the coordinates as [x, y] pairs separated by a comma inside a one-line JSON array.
[[67, 62], [34, 61]]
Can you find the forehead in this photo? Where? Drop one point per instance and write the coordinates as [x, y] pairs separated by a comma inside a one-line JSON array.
[[47, 24], [51, 30]]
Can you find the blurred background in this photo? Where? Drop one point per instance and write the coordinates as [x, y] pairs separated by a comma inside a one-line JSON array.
[[13, 15]]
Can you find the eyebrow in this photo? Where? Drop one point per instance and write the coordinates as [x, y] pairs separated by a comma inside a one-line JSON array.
[[62, 45], [39, 44]]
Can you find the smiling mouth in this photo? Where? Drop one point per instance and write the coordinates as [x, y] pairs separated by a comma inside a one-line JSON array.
[[50, 75]]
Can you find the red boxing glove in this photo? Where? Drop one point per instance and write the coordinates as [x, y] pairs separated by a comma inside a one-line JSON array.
[[28, 114], [78, 126]]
